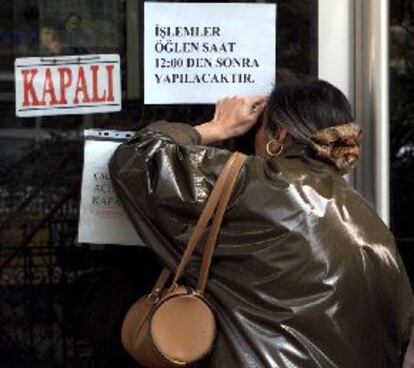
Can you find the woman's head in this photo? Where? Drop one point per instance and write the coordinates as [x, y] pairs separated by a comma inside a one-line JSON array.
[[298, 111], [304, 108]]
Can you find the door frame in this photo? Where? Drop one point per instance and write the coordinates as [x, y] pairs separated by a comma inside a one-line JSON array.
[[353, 55]]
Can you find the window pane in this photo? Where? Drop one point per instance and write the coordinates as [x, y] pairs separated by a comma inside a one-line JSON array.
[[53, 293]]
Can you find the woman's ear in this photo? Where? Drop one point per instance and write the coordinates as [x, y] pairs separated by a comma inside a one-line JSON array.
[[281, 135]]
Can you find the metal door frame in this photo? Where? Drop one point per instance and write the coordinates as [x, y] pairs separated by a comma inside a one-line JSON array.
[[353, 55]]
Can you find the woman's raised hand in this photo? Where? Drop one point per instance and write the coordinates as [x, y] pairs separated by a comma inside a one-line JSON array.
[[233, 117]]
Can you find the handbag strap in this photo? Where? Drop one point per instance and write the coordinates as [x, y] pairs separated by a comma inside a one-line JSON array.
[[236, 161], [162, 280], [206, 214], [218, 219]]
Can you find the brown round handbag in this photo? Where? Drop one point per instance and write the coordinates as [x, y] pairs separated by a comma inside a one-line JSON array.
[[176, 326]]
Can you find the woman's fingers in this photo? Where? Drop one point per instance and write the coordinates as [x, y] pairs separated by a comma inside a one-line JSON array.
[[257, 107], [257, 99], [235, 115], [245, 104]]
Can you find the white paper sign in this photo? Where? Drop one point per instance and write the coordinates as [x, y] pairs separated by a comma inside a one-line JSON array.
[[198, 52], [102, 218], [67, 85]]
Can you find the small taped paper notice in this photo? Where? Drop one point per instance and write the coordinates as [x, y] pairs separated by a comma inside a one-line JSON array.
[[102, 217]]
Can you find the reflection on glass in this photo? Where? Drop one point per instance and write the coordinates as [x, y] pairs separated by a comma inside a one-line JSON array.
[[86, 26]]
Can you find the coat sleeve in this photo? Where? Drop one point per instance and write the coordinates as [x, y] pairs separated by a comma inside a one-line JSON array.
[[163, 178]]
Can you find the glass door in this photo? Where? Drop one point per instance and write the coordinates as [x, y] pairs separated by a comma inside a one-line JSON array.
[[56, 296]]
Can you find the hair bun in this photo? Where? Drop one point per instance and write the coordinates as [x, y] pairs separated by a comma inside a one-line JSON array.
[[338, 145]]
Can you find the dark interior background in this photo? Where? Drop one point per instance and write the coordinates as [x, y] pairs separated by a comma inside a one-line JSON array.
[[402, 128]]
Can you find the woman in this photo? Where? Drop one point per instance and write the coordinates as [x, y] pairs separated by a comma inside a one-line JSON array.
[[305, 274]]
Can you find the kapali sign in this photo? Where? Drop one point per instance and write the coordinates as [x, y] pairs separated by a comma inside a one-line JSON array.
[[67, 85]]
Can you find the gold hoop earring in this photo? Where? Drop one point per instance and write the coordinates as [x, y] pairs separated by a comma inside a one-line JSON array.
[[270, 152]]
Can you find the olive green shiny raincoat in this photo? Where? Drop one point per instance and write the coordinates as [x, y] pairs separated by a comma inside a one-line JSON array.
[[305, 274]]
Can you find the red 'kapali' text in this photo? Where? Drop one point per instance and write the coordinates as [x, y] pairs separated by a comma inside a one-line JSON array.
[[55, 88]]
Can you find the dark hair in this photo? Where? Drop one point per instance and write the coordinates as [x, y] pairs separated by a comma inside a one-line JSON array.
[[306, 107], [50, 24], [73, 14]]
